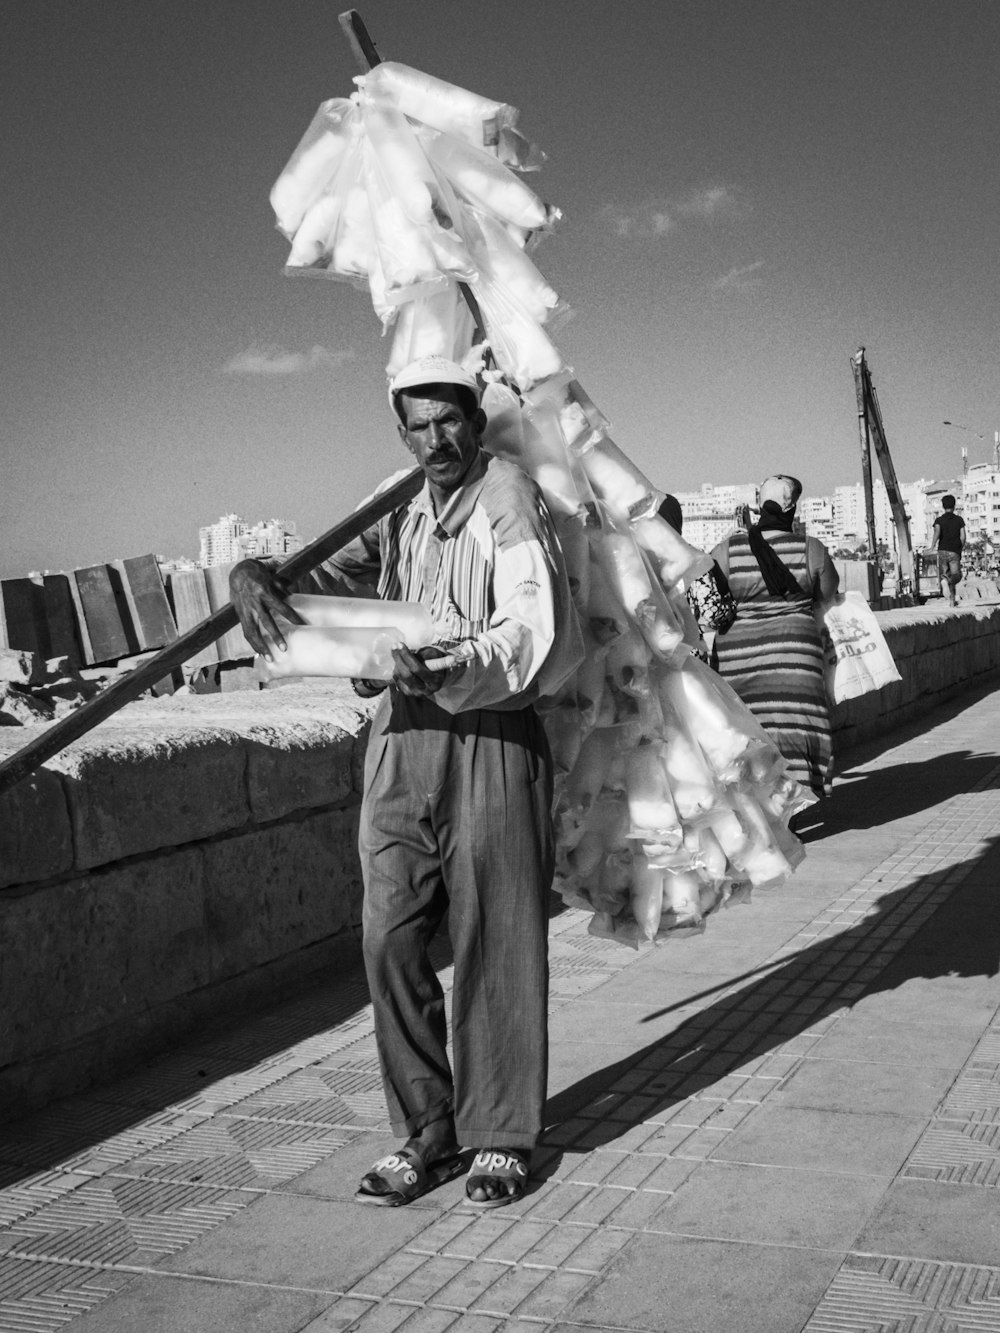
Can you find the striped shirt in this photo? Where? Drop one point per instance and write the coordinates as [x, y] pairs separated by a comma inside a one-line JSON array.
[[490, 570]]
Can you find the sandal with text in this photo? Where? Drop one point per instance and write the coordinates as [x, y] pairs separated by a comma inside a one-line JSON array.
[[404, 1177], [506, 1167]]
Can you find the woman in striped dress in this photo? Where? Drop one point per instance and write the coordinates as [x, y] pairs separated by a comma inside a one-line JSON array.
[[772, 655]]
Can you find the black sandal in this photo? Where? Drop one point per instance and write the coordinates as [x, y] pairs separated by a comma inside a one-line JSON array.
[[509, 1165], [407, 1177]]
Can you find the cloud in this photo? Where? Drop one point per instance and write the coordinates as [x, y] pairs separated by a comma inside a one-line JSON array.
[[272, 360], [740, 279], [659, 217]]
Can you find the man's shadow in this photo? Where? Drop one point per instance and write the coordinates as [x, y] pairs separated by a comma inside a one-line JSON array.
[[960, 939]]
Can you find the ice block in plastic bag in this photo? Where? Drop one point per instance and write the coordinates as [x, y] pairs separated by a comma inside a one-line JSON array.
[[522, 349], [485, 183], [646, 896], [674, 558], [505, 260], [445, 106], [411, 620], [440, 324], [617, 481], [364, 653], [651, 808], [312, 167]]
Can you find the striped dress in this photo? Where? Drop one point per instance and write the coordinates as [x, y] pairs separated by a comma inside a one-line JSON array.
[[772, 655]]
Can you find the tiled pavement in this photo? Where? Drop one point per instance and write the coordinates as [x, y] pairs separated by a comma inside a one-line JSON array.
[[790, 1123]]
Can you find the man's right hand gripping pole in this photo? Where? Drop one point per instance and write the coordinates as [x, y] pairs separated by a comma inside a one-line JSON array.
[[258, 595]]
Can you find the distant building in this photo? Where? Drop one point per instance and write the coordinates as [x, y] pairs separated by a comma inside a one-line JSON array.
[[233, 538], [220, 542], [981, 502], [710, 513], [174, 563], [273, 537]]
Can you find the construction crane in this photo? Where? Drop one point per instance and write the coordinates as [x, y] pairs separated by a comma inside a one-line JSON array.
[[873, 432]]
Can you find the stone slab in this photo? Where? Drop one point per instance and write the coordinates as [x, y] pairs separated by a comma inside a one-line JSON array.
[[164, 1304], [957, 1223], [147, 599], [144, 931], [274, 891], [22, 616], [298, 764], [35, 834], [690, 1286], [60, 617], [302, 1242], [232, 646], [834, 1141], [869, 1088], [771, 1205], [136, 790], [188, 598], [102, 611]]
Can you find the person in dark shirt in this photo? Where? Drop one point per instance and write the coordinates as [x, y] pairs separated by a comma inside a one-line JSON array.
[[949, 542]]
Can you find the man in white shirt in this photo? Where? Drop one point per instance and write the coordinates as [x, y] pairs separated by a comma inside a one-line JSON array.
[[458, 788]]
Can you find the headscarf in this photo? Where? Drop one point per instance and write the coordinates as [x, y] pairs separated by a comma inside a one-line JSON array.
[[778, 497]]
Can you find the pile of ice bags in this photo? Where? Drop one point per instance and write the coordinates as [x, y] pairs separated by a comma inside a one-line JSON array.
[[410, 187], [670, 798]]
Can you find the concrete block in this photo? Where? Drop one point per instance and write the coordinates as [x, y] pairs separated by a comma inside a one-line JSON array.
[[35, 837], [232, 646], [189, 602], [147, 600], [97, 950], [60, 617], [275, 890], [297, 765], [133, 789], [108, 635], [22, 616]]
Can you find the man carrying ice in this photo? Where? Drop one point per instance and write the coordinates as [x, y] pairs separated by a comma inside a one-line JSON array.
[[458, 787]]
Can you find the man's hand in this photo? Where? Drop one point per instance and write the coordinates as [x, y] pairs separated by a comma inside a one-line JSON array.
[[258, 595], [412, 676]]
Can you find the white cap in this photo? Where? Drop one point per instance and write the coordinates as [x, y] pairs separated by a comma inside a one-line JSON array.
[[432, 370]]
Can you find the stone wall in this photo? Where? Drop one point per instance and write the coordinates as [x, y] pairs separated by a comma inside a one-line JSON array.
[[191, 854], [198, 853]]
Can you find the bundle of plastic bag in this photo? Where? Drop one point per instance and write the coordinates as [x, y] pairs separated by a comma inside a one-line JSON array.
[[313, 166], [623, 487], [486, 184], [437, 325], [444, 106]]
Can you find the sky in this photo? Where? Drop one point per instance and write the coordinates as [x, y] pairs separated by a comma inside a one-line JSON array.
[[751, 189]]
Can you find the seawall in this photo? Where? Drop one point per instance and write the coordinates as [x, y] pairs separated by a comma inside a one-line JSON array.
[[197, 853]]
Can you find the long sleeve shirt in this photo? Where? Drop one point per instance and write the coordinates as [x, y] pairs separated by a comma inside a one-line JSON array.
[[490, 570]]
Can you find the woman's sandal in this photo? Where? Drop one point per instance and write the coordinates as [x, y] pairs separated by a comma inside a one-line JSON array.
[[407, 1177], [509, 1166]]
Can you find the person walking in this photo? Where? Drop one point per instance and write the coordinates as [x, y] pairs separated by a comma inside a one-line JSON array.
[[772, 654], [456, 811], [949, 542]]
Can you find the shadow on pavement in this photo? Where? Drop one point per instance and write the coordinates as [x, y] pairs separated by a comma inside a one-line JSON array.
[[961, 939]]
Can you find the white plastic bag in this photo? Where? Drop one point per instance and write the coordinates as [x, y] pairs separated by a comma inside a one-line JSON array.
[[855, 654]]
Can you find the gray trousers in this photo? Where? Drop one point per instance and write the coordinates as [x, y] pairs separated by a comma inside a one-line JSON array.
[[456, 818]]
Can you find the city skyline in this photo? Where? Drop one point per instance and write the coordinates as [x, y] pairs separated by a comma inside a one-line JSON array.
[[745, 202]]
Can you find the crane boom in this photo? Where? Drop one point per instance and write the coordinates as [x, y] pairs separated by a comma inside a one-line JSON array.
[[873, 432]]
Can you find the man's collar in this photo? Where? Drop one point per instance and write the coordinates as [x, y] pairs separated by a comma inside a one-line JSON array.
[[453, 518]]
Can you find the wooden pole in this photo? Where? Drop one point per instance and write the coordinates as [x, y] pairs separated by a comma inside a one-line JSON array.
[[76, 724], [858, 366], [367, 56]]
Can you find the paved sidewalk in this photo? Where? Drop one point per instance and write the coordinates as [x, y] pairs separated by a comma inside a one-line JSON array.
[[789, 1123]]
